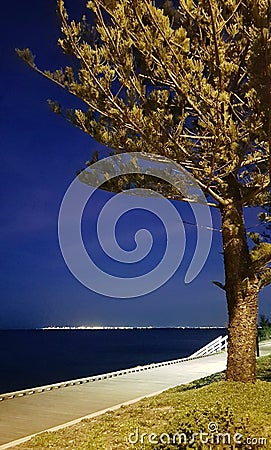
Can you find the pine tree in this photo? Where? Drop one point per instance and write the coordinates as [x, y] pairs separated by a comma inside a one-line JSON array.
[[192, 83]]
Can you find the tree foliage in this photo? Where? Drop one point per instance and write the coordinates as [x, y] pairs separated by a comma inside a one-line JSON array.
[[264, 332], [190, 83]]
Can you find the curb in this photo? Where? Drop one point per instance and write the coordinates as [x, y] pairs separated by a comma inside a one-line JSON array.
[[63, 384], [89, 416]]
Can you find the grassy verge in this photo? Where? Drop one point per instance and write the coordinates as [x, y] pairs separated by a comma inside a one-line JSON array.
[[242, 413]]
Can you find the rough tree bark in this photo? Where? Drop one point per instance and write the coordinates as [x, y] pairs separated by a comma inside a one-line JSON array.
[[242, 293], [183, 83]]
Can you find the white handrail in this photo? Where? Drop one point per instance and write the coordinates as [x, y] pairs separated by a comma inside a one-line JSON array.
[[217, 345]]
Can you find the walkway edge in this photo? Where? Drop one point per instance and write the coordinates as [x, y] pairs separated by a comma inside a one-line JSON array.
[[89, 416], [94, 378]]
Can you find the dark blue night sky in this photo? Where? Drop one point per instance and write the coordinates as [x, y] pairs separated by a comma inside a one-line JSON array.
[[40, 155]]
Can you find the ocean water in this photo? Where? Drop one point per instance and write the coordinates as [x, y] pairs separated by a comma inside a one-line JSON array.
[[31, 358]]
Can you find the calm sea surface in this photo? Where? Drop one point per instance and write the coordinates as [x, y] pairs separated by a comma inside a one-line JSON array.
[[32, 358]]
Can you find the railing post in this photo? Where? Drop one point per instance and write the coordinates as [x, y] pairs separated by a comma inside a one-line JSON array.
[[217, 345], [220, 344]]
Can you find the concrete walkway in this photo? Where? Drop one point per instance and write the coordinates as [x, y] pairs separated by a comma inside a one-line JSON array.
[[265, 348], [29, 414]]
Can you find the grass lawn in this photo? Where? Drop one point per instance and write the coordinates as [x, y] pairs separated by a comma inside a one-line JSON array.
[[226, 415]]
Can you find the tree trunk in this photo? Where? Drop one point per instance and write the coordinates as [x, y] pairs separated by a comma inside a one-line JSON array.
[[242, 295]]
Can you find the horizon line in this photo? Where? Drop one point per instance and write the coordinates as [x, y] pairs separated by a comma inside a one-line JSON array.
[[120, 327]]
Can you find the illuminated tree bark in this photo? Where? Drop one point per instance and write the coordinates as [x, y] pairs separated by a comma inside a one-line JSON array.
[[193, 84]]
